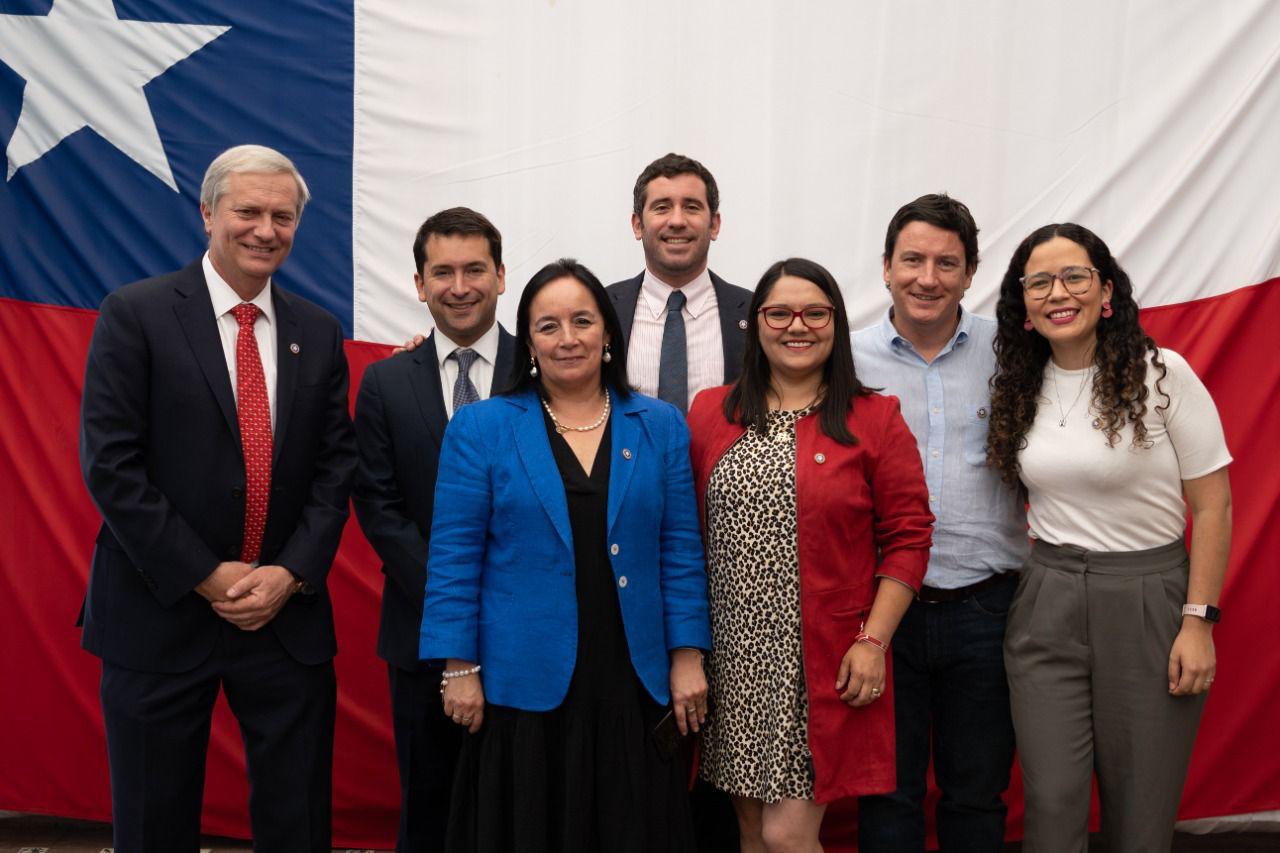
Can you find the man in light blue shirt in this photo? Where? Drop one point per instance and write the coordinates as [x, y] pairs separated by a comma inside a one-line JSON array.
[[950, 693]]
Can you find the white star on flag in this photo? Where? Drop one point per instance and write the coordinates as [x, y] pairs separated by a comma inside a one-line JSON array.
[[85, 67]]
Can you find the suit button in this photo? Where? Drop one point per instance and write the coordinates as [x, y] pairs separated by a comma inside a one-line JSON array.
[[233, 553], [613, 549], [622, 581], [237, 492]]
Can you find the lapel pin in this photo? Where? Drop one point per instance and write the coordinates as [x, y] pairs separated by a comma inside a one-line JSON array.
[[626, 453], [819, 458], [742, 324], [295, 349], [982, 412]]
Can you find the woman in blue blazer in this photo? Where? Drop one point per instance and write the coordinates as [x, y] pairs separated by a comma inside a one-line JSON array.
[[566, 592]]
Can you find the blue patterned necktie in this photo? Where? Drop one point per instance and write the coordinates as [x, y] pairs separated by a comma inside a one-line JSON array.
[[673, 368], [464, 391]]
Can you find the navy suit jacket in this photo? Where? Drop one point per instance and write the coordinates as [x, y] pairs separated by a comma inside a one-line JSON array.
[[400, 423], [161, 457], [732, 303], [500, 580]]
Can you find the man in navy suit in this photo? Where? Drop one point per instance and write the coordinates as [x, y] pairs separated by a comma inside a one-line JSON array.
[[216, 443], [405, 403], [684, 324], [685, 328]]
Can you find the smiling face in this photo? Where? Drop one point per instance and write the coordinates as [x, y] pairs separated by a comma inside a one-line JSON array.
[[567, 336], [797, 352], [1068, 322], [676, 227], [460, 285], [927, 277], [251, 228]]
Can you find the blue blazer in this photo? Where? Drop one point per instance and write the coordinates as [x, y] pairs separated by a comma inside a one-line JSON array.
[[500, 575]]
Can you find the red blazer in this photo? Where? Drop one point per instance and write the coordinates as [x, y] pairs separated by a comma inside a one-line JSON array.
[[863, 513]]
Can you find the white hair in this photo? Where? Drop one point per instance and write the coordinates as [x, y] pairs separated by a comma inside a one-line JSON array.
[[243, 159]]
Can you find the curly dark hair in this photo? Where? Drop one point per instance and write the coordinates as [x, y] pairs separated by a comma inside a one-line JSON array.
[[1120, 356]]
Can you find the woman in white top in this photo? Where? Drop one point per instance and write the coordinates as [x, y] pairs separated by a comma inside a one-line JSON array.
[[1109, 646]]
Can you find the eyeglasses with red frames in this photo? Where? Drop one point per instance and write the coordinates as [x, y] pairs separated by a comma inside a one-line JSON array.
[[780, 317]]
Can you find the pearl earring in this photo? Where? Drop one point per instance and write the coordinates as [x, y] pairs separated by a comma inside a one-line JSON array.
[[1026, 324], [533, 367], [608, 356], [1106, 309]]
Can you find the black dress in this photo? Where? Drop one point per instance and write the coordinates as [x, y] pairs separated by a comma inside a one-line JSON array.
[[586, 776]]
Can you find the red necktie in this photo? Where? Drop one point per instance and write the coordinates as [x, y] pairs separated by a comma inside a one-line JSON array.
[[255, 430]]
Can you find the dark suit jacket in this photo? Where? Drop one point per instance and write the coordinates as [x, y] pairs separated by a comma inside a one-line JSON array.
[[160, 453], [732, 302], [400, 423]]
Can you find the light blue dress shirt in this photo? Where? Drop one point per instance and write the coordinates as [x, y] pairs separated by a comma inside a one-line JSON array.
[[981, 525]]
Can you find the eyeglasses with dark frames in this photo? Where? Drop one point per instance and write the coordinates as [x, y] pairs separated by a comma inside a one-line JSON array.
[[1077, 281], [780, 317]]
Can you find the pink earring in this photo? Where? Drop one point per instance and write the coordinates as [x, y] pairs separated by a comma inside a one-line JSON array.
[[1026, 324], [1106, 309]]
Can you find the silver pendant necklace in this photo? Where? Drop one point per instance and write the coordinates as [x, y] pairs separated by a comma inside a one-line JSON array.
[[1086, 380]]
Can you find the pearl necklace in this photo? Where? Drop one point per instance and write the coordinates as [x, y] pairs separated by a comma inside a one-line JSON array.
[[1062, 416], [561, 429]]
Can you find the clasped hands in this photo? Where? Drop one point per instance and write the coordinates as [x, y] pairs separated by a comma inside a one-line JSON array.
[[247, 597]]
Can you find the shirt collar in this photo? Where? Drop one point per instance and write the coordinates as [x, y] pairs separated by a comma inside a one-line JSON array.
[[699, 294], [894, 339], [486, 347], [224, 298]]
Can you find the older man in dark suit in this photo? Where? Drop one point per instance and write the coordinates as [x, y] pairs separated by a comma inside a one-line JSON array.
[[684, 324], [404, 405], [216, 443]]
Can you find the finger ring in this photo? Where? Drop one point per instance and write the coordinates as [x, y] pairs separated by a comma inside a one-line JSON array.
[[691, 710], [457, 719], [875, 691]]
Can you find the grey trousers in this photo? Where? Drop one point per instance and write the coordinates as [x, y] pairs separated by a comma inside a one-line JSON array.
[[1087, 654]]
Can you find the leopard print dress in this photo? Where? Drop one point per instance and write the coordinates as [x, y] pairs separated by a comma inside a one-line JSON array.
[[755, 743]]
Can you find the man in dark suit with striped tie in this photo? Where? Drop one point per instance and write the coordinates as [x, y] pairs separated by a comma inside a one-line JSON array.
[[405, 403], [684, 324]]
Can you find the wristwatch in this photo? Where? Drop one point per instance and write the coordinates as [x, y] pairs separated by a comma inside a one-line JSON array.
[[1207, 612]]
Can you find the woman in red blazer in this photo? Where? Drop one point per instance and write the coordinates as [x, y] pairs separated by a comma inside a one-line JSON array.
[[817, 526]]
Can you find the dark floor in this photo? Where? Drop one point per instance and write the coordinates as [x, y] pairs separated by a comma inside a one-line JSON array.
[[39, 834]]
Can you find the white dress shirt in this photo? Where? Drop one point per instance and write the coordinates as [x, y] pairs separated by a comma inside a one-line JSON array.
[[481, 372], [704, 347], [224, 299]]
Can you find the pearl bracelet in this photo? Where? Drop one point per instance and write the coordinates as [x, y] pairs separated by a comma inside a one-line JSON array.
[[455, 673]]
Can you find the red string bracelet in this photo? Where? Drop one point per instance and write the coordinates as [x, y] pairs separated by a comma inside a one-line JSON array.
[[864, 637]]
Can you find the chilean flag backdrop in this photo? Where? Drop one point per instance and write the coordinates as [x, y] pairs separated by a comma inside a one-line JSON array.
[[1154, 123]]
